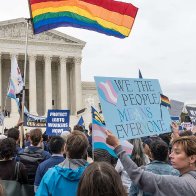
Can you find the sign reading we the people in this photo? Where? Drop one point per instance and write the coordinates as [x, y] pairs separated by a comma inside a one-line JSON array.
[[131, 107], [57, 122]]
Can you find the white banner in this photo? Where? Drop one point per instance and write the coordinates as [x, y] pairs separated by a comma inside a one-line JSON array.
[[176, 107]]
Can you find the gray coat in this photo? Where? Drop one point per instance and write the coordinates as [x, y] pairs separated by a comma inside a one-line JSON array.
[[159, 185]]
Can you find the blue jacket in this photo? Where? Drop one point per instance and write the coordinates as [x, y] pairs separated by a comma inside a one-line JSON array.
[[60, 181], [44, 166]]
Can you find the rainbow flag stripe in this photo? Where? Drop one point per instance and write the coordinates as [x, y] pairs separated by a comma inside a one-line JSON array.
[[165, 101], [109, 17]]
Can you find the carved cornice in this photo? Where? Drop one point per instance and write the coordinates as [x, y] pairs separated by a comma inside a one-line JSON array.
[[18, 31]]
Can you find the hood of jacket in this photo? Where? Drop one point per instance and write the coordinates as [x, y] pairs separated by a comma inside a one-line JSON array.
[[70, 173]]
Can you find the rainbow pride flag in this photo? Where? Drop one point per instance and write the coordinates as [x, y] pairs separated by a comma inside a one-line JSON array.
[[109, 17], [165, 101]]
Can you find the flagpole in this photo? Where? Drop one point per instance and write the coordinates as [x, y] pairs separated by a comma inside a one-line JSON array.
[[23, 91]]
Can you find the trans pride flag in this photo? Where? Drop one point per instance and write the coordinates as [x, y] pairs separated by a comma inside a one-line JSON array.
[[11, 91], [113, 18], [16, 81], [99, 138]]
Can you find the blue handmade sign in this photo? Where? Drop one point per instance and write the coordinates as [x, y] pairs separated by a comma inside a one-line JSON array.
[[131, 107], [57, 122]]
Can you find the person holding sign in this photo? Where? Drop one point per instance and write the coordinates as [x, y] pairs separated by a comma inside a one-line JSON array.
[[183, 158]]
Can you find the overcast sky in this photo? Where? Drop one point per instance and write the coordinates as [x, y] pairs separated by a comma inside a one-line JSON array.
[[162, 45]]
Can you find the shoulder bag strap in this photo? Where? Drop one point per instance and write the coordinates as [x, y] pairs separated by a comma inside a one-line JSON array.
[[16, 172]]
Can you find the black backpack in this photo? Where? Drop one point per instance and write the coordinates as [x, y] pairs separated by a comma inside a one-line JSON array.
[[31, 160]]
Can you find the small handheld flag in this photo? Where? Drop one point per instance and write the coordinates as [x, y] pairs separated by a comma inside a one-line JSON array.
[[165, 101], [16, 81], [140, 74], [81, 122], [97, 116]]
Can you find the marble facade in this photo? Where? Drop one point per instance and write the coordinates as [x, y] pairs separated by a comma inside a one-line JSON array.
[[53, 74]]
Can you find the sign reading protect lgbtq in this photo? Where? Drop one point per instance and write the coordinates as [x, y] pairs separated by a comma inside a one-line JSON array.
[[131, 107], [57, 122]]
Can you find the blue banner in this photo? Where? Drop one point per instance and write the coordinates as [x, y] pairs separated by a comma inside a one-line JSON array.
[[57, 122], [34, 121], [131, 107]]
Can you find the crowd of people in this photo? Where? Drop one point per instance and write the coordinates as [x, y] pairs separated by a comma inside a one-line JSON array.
[[67, 165]]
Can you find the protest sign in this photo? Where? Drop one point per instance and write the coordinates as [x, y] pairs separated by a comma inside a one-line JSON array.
[[57, 122], [192, 114], [187, 126], [131, 107], [176, 119], [34, 121], [176, 107]]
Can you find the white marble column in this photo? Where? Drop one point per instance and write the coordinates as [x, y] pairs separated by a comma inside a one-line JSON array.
[[78, 83], [32, 85], [14, 107], [48, 84], [1, 103], [63, 82]]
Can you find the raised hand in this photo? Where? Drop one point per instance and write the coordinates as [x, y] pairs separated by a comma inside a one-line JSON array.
[[112, 140]]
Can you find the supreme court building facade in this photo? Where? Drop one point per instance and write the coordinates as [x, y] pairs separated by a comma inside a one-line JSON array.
[[53, 75]]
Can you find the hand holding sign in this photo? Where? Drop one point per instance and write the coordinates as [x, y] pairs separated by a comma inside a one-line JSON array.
[[175, 130], [112, 140]]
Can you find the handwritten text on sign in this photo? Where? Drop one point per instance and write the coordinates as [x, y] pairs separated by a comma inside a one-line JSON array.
[[131, 107]]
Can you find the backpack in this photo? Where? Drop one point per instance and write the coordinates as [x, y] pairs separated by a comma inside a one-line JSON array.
[[31, 160]]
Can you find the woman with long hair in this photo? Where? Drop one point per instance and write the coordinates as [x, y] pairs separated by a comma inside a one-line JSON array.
[[138, 156], [99, 179]]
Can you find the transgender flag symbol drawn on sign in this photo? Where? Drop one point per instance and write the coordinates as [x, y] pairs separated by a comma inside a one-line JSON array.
[[107, 92]]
